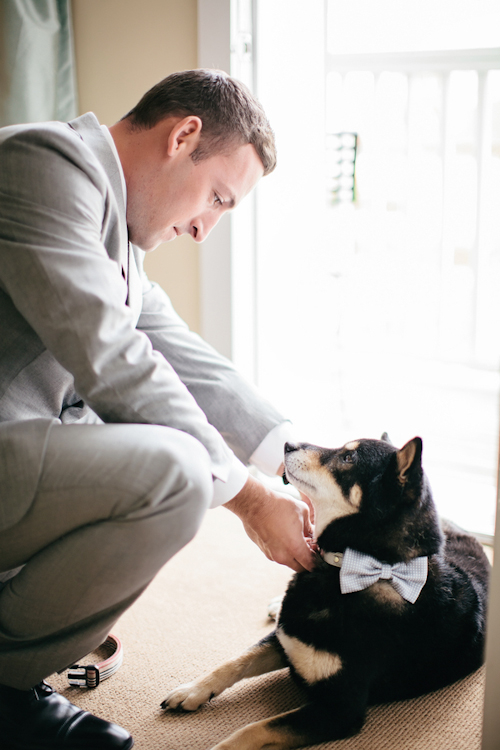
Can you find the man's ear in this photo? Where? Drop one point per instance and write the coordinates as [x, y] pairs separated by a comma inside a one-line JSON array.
[[184, 135]]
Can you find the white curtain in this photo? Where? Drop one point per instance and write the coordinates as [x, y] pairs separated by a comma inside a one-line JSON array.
[[37, 68]]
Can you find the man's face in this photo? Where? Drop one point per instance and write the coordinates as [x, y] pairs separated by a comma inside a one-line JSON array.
[[180, 196]]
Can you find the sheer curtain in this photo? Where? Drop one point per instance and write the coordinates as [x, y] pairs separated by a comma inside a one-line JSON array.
[[37, 68]]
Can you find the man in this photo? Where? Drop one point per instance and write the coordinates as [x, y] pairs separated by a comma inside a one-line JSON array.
[[118, 426]]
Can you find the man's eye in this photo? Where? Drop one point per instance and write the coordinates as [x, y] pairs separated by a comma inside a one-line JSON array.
[[218, 200]]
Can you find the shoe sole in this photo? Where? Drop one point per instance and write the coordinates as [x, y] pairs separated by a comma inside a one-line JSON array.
[[16, 746]]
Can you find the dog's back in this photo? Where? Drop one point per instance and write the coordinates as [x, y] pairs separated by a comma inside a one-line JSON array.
[[440, 638]]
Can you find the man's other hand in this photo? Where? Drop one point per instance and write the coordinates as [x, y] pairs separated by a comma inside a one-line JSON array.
[[277, 523]]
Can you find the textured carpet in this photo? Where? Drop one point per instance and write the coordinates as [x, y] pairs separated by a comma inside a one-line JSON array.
[[208, 605]]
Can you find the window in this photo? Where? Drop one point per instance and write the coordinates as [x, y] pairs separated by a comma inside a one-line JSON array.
[[383, 313]]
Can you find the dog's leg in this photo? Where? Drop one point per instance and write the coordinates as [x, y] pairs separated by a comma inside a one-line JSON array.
[[265, 656], [309, 725], [262, 734]]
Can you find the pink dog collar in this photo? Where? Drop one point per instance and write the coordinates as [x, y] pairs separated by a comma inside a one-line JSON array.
[[90, 675]]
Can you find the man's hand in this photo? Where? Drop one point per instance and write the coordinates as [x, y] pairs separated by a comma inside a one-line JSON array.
[[278, 524]]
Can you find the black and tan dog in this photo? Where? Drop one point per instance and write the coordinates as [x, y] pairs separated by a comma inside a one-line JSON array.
[[395, 606]]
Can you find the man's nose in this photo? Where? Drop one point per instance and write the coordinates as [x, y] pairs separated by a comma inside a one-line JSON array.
[[202, 226]]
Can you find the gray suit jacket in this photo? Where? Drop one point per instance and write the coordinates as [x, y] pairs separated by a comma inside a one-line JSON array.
[[82, 330]]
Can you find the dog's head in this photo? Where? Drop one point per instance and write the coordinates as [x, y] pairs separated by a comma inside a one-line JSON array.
[[367, 495]]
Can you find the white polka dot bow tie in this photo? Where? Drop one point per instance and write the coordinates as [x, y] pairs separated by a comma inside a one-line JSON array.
[[358, 571]]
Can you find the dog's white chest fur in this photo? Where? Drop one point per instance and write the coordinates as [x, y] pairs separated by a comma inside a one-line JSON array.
[[313, 665]]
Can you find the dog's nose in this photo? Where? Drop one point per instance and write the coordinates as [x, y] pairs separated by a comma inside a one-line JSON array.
[[290, 447]]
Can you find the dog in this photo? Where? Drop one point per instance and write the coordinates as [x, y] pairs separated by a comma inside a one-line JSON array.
[[395, 606]]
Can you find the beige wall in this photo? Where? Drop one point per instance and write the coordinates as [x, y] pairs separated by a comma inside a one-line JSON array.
[[123, 47]]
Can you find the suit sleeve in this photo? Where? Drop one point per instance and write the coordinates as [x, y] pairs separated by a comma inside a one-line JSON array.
[[235, 408], [54, 202]]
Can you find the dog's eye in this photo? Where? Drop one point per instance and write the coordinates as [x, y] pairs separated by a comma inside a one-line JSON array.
[[348, 458]]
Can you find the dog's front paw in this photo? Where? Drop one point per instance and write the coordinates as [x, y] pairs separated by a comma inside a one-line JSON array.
[[274, 607], [187, 697]]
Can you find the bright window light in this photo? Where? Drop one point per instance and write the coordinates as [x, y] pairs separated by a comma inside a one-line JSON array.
[[364, 26], [382, 313]]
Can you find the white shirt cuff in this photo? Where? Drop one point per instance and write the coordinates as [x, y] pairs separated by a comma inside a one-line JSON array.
[[268, 456], [225, 491]]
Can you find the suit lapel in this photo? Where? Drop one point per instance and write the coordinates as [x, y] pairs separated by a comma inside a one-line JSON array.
[[88, 128]]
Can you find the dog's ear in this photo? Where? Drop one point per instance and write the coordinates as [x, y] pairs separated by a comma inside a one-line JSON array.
[[409, 460], [386, 439]]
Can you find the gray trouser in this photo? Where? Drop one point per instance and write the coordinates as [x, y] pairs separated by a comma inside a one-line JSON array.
[[114, 503]]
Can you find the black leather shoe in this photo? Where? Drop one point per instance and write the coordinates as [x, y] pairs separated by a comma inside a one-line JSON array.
[[41, 719]]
